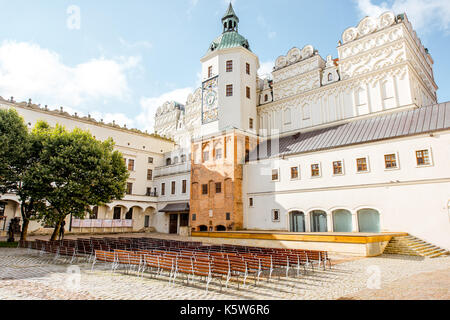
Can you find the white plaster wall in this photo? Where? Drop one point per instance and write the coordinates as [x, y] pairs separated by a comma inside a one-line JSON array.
[[410, 199]]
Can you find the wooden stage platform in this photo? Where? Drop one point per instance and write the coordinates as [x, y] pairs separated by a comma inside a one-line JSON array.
[[358, 244]]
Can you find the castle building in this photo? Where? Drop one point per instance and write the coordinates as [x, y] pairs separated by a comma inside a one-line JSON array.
[[357, 143]]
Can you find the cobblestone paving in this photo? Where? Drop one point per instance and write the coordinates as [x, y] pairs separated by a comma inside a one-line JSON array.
[[26, 274]]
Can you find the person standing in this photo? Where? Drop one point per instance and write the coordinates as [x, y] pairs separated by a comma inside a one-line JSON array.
[[61, 231]]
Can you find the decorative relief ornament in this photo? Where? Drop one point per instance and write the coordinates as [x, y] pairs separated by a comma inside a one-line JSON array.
[[367, 26], [349, 35], [387, 19], [294, 55], [281, 62]]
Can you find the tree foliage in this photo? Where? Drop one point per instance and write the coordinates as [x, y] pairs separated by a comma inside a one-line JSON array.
[[19, 153], [77, 171]]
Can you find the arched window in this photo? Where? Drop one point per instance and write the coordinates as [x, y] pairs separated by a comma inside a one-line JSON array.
[[168, 162], [342, 221], [266, 98], [330, 77], [369, 220]]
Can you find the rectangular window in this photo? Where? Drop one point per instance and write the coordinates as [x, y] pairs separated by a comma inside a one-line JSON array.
[[390, 161], [149, 192], [149, 174], [294, 173], [129, 188], [163, 189], [218, 187], [247, 68], [423, 158], [250, 123], [229, 90], [184, 186], [194, 217], [337, 167], [210, 70], [173, 187], [361, 165], [250, 202], [247, 89], [276, 215], [228, 216], [150, 160], [315, 170], [205, 156], [230, 66], [204, 189], [275, 175], [130, 165], [218, 154]]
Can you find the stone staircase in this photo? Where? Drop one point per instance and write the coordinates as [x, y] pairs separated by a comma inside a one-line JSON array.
[[412, 246]]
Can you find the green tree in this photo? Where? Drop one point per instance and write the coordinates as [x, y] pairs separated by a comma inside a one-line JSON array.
[[19, 153], [77, 171]]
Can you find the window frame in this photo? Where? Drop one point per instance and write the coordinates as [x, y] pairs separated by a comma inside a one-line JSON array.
[[229, 66], [247, 68], [342, 168], [251, 202], [184, 187], [129, 191], [149, 174], [210, 72], [203, 189], [173, 188], [229, 90], [278, 175], [367, 164], [430, 157], [248, 92], [273, 215], [218, 187], [319, 168], [298, 173], [163, 189], [131, 162], [397, 161]]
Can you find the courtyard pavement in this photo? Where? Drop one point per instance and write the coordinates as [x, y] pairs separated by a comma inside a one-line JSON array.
[[27, 275]]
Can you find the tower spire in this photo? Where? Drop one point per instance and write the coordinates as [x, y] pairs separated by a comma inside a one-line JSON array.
[[230, 20]]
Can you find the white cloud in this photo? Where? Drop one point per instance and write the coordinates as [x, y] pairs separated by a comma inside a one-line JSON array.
[[423, 14], [29, 71], [265, 69], [146, 120]]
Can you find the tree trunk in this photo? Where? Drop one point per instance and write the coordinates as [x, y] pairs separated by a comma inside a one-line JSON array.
[[23, 235], [56, 231]]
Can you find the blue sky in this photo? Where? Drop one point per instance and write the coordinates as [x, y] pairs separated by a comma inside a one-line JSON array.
[[121, 59]]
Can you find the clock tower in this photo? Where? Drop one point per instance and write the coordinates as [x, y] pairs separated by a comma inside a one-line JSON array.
[[229, 74]]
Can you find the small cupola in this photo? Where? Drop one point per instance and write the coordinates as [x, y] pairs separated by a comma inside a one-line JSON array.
[[230, 20]]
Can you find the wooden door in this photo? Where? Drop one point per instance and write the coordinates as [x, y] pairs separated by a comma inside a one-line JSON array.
[[173, 224]]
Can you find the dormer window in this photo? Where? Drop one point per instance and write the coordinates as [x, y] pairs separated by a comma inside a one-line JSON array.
[[330, 77]]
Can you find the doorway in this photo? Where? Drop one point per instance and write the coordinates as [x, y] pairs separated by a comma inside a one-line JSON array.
[[319, 221], [297, 221], [173, 224]]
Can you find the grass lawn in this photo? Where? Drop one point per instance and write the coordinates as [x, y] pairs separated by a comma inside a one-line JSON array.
[[8, 244]]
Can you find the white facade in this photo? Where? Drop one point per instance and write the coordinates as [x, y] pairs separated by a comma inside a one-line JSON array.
[[409, 198], [382, 68]]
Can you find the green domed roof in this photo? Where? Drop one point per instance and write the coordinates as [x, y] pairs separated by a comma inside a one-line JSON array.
[[230, 39]]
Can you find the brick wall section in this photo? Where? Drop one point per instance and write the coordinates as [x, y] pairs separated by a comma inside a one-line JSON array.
[[229, 172]]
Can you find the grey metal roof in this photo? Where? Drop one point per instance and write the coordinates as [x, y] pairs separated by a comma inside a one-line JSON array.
[[176, 207], [388, 126]]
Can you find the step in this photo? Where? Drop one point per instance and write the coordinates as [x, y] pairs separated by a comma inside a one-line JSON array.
[[438, 254], [430, 250]]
